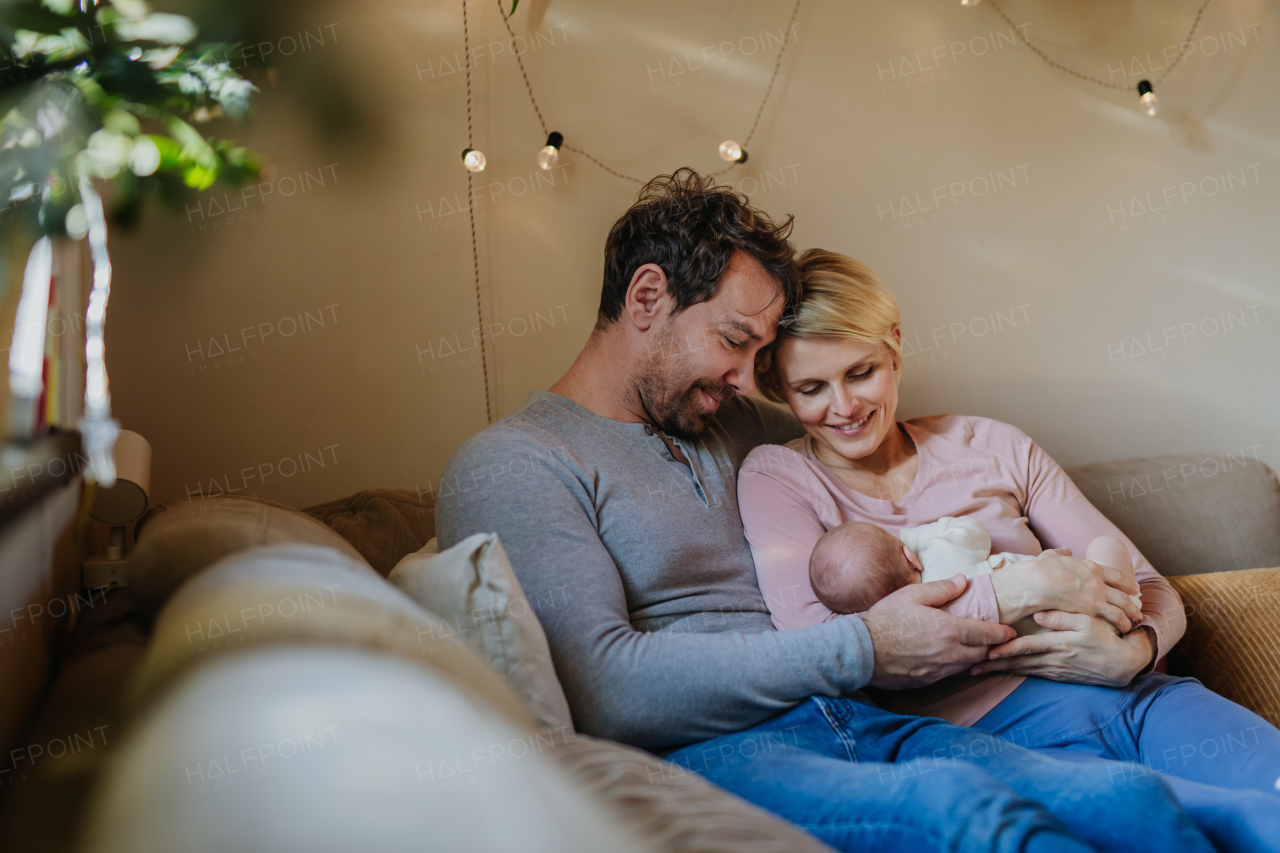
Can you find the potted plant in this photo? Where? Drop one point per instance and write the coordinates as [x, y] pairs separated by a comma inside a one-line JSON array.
[[99, 98]]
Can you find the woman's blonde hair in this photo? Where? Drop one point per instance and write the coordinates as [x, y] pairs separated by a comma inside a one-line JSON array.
[[842, 299]]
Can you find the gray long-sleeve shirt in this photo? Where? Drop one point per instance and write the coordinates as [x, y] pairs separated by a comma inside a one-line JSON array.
[[638, 570]]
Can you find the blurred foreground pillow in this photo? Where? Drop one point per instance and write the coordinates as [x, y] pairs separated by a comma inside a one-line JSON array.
[[181, 538], [305, 594], [314, 749]]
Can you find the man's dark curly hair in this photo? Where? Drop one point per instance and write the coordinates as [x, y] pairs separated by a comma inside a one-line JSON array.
[[690, 228]]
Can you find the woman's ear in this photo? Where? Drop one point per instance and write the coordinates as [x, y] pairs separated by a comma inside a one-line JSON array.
[[646, 296], [896, 331]]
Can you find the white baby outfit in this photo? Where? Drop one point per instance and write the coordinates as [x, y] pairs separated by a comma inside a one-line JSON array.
[[955, 546]]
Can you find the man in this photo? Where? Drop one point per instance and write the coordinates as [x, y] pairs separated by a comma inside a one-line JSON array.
[[614, 495]]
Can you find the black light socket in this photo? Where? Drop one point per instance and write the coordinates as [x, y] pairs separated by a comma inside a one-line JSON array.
[[1144, 87], [743, 157], [555, 140]]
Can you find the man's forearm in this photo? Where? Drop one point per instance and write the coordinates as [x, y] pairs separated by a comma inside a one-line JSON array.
[[668, 688]]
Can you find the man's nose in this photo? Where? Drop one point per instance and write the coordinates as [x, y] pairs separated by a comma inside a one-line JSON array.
[[743, 376]]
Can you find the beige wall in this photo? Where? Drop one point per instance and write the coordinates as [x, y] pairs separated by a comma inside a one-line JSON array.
[[1032, 303]]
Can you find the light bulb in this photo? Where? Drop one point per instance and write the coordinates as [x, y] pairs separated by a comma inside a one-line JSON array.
[[970, 2], [473, 160], [1149, 100], [548, 156], [732, 152]]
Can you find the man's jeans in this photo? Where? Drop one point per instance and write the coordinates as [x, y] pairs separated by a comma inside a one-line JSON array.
[[822, 766]]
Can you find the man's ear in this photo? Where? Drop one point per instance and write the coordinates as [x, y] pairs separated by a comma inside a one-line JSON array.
[[647, 296]]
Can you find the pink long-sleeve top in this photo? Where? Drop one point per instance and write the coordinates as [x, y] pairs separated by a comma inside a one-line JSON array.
[[974, 467]]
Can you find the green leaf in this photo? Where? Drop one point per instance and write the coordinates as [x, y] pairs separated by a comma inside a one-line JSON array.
[[170, 152], [199, 177], [514, 3], [194, 146]]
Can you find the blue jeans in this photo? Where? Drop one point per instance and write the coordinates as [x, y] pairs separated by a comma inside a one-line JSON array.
[[1220, 760], [822, 766]]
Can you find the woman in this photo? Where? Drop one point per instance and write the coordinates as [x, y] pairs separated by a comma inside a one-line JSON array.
[[1080, 691]]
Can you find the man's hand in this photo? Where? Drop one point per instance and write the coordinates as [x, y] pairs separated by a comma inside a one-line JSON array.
[[916, 644], [1080, 649]]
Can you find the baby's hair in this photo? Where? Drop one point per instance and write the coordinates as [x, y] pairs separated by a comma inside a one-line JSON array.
[[870, 550]]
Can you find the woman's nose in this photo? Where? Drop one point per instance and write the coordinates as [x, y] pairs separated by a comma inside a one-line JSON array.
[[842, 402]]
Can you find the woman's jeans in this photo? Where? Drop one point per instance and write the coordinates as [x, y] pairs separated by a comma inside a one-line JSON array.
[[1220, 760], [822, 766]]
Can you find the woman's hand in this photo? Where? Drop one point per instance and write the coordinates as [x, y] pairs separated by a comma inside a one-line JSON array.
[[1079, 649], [1057, 581]]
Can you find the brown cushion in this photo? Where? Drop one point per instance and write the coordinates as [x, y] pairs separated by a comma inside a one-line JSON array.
[[384, 525], [1232, 642], [1191, 513]]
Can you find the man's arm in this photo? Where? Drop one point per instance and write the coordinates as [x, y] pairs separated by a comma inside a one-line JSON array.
[[649, 689]]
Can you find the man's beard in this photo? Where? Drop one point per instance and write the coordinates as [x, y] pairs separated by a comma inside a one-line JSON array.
[[676, 408]]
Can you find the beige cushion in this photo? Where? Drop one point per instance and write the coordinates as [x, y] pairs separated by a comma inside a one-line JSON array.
[[181, 538], [384, 525], [297, 593], [676, 809], [318, 749], [1190, 513], [1232, 642], [472, 587]]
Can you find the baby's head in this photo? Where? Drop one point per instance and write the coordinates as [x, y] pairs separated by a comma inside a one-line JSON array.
[[856, 564]]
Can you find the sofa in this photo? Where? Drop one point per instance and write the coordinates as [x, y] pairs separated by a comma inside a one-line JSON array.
[[322, 679]]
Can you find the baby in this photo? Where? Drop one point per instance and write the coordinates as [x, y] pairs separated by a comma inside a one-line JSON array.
[[856, 564]]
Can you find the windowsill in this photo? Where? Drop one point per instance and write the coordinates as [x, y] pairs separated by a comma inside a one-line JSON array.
[[31, 469]]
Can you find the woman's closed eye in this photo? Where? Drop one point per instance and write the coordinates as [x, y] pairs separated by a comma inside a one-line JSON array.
[[810, 390]]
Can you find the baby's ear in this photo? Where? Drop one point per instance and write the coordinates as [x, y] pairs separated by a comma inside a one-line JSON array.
[[912, 559]]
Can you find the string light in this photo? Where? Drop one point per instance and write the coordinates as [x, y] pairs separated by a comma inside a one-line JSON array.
[[548, 156], [473, 160], [732, 152], [1150, 104], [1148, 97], [970, 2]]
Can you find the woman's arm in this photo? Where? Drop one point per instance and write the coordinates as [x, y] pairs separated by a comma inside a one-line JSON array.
[[1083, 647], [1057, 581], [782, 525]]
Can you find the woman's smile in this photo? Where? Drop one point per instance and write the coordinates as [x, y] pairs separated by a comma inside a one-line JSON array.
[[852, 428]]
